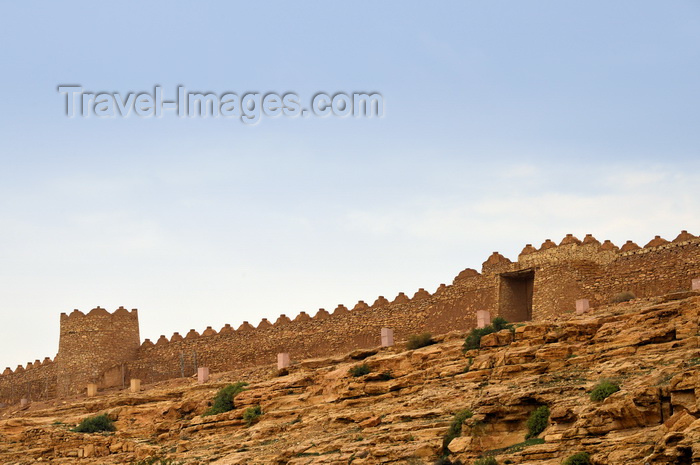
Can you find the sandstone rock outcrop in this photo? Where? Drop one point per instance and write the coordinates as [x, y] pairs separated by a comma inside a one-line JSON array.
[[401, 410]]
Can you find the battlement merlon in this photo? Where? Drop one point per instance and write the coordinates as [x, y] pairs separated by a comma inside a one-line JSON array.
[[573, 249], [98, 311]]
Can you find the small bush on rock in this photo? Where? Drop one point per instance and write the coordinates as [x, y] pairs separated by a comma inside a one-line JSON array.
[[538, 421], [359, 370], [455, 429], [223, 401], [440, 461], [522, 445], [252, 414], [603, 390], [486, 461], [416, 341], [473, 340], [580, 458], [156, 461], [95, 424], [499, 323], [622, 297]]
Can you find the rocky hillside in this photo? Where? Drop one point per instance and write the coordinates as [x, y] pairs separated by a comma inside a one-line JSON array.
[[401, 410]]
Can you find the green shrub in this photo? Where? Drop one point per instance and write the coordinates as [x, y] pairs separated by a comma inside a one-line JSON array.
[[441, 461], [252, 414], [470, 362], [360, 370], [486, 461], [473, 340], [455, 429], [580, 458], [622, 297], [538, 421], [603, 390], [156, 461], [223, 401], [522, 445], [500, 323], [95, 424], [416, 341]]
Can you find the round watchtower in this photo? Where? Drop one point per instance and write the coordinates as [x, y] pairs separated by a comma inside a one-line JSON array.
[[94, 347]]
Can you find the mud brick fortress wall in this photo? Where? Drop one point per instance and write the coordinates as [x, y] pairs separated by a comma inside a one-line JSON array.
[[105, 348]]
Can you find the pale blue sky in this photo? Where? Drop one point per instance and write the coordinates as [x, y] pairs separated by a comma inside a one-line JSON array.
[[505, 123]]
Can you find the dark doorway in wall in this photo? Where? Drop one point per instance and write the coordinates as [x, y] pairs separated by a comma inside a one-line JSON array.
[[515, 295]]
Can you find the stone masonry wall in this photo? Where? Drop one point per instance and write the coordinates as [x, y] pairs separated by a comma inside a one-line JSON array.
[[93, 348], [563, 273], [587, 269], [105, 348], [557, 288], [306, 337], [652, 270], [36, 381]]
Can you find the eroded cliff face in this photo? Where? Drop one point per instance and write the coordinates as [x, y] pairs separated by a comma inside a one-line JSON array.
[[401, 410]]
